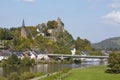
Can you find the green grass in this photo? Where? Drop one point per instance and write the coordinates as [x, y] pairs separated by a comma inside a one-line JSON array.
[[52, 77], [92, 73], [39, 74], [58, 75]]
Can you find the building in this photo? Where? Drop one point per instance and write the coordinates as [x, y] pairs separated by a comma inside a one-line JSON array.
[[60, 25], [24, 31]]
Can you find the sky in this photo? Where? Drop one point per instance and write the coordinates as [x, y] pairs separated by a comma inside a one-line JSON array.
[[95, 20]]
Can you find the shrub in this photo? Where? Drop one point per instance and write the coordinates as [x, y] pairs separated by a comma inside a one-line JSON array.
[[14, 76], [3, 78], [27, 62], [66, 70], [26, 75], [114, 63], [39, 74]]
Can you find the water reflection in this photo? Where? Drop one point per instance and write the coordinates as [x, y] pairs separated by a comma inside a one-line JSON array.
[[48, 68], [6, 71]]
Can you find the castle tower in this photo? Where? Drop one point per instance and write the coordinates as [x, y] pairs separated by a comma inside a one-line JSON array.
[[60, 25], [23, 30]]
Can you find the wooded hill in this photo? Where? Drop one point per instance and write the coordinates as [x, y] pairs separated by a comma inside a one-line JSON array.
[[110, 44], [50, 37]]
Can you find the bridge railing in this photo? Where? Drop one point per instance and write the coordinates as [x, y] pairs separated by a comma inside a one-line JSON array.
[[76, 56]]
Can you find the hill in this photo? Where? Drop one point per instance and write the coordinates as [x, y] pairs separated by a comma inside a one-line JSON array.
[[50, 37], [111, 43]]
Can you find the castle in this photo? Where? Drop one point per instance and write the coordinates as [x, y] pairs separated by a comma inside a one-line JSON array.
[[60, 25], [53, 32]]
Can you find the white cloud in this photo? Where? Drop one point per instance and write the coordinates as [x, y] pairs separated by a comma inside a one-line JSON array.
[[113, 17], [114, 5], [29, 0]]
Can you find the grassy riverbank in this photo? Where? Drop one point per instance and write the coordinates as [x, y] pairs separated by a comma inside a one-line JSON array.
[[56, 76], [92, 73]]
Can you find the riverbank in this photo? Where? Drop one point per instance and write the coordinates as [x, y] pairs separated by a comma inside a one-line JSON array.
[[54, 76], [92, 73]]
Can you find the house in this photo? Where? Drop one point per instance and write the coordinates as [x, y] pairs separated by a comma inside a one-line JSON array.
[[41, 54], [29, 54]]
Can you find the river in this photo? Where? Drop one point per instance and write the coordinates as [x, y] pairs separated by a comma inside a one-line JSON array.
[[50, 68]]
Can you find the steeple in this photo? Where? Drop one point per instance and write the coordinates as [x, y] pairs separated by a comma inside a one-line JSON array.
[[23, 23], [23, 30]]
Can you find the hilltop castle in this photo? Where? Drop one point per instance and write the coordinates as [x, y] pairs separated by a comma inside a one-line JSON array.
[[60, 25], [59, 29], [53, 32]]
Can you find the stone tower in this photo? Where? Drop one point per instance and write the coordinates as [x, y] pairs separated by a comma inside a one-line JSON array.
[[60, 25], [23, 30]]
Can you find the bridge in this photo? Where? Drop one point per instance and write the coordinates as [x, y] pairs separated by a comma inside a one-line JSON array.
[[76, 56]]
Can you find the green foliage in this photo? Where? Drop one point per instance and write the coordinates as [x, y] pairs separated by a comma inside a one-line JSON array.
[[58, 41], [66, 70], [64, 42], [14, 76], [12, 61], [42, 27], [64, 39], [52, 24], [96, 53], [14, 66], [62, 50], [26, 76], [57, 76], [114, 63], [112, 44], [5, 34], [27, 62], [32, 30], [82, 45], [39, 74], [3, 78]]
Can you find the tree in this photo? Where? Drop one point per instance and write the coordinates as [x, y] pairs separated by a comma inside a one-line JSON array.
[[52, 24], [13, 60], [14, 76], [5, 34], [27, 62], [82, 45], [114, 63]]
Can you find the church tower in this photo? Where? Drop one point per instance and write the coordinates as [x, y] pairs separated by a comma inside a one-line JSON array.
[[23, 30]]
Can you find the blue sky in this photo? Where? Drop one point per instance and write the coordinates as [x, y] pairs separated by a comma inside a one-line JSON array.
[[94, 20]]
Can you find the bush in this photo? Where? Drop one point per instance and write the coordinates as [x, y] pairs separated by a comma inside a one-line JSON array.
[[66, 70], [96, 53], [3, 78], [14, 76], [27, 62], [39, 74], [26, 75], [114, 63]]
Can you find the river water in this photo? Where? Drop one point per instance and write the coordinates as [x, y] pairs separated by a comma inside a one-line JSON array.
[[50, 68]]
